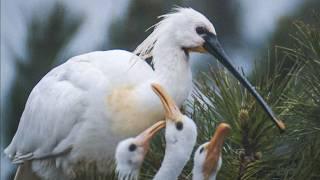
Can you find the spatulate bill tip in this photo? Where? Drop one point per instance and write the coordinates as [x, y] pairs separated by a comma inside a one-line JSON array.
[[281, 125]]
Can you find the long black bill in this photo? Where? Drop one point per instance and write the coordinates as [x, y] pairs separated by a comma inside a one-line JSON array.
[[213, 46]]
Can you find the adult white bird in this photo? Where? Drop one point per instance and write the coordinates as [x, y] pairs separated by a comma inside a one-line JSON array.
[[180, 137], [81, 109], [207, 158]]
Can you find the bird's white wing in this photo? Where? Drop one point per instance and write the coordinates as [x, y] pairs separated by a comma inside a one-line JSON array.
[[56, 105], [53, 108]]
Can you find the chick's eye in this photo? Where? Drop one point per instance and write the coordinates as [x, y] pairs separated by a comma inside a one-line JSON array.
[[201, 30], [201, 150], [132, 147], [179, 125]]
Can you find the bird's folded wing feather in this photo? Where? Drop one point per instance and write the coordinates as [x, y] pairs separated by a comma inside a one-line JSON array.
[[56, 105], [53, 110]]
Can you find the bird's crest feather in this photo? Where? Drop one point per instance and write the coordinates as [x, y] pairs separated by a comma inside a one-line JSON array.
[[145, 49]]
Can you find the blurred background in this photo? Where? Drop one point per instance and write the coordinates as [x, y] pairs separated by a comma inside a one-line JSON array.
[[37, 35]]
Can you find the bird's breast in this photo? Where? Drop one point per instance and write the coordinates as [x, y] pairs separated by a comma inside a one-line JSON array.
[[130, 114]]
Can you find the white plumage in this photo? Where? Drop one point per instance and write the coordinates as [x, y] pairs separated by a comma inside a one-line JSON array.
[[180, 135]]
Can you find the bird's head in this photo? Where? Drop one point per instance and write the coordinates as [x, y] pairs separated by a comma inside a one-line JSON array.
[[207, 158], [186, 28], [181, 131], [191, 31], [130, 152]]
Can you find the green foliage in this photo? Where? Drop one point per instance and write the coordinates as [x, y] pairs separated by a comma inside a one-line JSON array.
[[303, 140]]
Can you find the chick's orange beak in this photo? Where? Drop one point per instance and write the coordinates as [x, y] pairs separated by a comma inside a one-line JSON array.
[[214, 148], [145, 137], [172, 111]]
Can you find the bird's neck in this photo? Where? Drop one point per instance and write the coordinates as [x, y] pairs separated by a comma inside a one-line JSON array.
[[174, 161], [197, 171], [197, 174], [170, 59], [172, 68]]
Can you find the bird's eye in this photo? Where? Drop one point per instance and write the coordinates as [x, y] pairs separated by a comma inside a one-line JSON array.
[[132, 147], [201, 30], [179, 125], [201, 150]]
